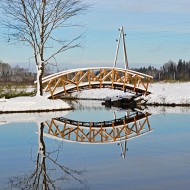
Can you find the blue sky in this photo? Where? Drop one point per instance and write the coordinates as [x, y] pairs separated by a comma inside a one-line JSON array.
[[157, 31]]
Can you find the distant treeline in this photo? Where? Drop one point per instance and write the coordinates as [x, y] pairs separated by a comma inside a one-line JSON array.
[[16, 74], [169, 71]]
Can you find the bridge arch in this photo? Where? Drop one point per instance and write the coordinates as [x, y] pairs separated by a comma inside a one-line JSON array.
[[69, 81]]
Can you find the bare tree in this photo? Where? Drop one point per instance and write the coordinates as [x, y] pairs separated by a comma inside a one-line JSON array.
[[36, 23]]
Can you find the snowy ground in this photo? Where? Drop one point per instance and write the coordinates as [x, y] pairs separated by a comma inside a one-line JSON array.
[[13, 89], [31, 104], [169, 93], [163, 93]]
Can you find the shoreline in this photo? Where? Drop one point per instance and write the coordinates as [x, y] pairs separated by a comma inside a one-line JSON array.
[[34, 104], [155, 105], [143, 104], [171, 95], [36, 111], [167, 105]]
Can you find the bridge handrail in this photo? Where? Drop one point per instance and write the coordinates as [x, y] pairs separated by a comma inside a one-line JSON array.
[[136, 115], [56, 75]]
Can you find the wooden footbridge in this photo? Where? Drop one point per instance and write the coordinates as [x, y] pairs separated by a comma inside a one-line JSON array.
[[95, 77], [69, 81], [117, 130]]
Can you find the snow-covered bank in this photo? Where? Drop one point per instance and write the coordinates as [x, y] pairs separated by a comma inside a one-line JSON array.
[[162, 93], [31, 104], [99, 93], [169, 93]]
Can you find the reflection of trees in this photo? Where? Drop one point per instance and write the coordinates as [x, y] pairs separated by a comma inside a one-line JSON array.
[[42, 177]]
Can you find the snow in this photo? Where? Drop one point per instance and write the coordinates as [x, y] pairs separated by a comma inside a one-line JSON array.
[[31, 104], [100, 93], [162, 93], [169, 93]]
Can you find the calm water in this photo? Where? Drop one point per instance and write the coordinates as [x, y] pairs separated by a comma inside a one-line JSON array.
[[159, 159]]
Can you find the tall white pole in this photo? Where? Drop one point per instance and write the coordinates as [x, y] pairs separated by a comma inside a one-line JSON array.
[[117, 50], [121, 35], [124, 49]]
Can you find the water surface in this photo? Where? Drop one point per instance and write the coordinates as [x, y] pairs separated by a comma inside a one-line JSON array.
[[159, 159]]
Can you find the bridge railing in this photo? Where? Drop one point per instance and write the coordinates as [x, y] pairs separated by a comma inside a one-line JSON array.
[[96, 77], [129, 118], [125, 130]]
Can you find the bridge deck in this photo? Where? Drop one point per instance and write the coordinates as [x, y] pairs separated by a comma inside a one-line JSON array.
[[61, 73], [106, 124]]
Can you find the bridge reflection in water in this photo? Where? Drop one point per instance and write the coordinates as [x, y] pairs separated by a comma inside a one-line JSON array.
[[132, 125], [47, 167]]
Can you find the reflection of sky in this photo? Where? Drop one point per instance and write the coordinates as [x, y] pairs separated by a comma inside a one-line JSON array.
[[15, 147], [158, 160], [93, 115], [93, 111]]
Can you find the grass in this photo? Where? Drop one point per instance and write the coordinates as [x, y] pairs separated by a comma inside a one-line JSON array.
[[11, 91]]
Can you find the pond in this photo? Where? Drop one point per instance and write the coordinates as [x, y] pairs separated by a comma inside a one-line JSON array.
[[93, 147]]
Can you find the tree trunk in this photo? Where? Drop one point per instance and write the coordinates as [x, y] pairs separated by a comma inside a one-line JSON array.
[[40, 71], [42, 154]]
